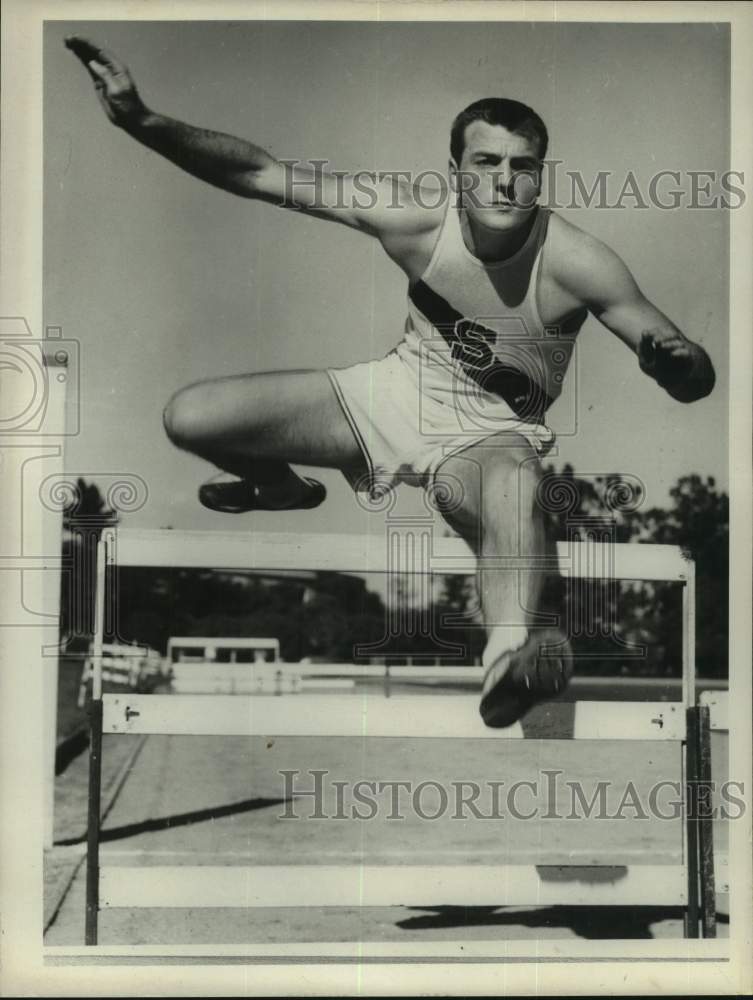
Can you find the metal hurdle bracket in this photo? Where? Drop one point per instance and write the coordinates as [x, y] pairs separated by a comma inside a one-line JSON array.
[[689, 885]]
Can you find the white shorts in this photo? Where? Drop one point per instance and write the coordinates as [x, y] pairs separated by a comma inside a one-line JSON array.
[[406, 430]]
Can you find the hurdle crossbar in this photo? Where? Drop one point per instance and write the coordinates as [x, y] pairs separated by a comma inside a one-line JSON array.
[[371, 554], [371, 717]]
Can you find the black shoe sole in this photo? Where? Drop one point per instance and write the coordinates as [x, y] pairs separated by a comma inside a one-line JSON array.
[[218, 497], [531, 677]]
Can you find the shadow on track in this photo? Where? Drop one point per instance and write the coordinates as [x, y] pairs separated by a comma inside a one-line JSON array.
[[593, 922], [180, 819]]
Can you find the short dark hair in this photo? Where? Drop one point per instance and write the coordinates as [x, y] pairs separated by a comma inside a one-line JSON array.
[[512, 115]]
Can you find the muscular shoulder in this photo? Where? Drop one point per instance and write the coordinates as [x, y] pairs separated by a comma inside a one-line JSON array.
[[583, 267], [410, 228], [388, 205]]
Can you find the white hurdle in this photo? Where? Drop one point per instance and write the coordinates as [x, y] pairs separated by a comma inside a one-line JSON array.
[[372, 716]]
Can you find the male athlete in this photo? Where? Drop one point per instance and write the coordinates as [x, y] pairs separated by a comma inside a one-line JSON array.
[[498, 288]]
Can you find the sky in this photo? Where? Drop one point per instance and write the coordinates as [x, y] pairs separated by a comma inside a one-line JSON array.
[[165, 281]]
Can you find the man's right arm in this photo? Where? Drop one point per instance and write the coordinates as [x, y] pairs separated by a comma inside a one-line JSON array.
[[227, 162], [385, 208]]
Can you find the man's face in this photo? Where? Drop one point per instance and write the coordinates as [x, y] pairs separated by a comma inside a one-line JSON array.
[[499, 176]]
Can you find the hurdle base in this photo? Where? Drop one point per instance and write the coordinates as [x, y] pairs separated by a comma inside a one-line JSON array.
[[202, 886]]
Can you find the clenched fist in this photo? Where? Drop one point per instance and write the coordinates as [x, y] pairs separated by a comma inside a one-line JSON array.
[[116, 90], [666, 355]]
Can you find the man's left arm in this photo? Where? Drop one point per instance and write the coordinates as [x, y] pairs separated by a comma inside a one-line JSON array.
[[600, 280]]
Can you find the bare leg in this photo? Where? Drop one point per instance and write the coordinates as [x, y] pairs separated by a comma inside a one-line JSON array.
[[499, 517], [254, 425]]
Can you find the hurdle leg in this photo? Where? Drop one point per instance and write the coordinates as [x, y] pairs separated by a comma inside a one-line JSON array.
[[700, 831], [93, 821], [706, 826], [95, 750], [691, 827]]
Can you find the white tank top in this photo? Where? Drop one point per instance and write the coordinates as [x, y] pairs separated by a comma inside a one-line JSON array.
[[478, 324]]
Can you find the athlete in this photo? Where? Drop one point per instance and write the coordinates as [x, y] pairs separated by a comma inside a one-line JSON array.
[[498, 288]]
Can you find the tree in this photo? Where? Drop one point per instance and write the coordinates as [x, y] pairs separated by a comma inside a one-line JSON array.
[[697, 521], [608, 624], [325, 617]]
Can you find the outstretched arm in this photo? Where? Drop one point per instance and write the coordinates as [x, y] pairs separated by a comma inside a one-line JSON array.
[[599, 279], [382, 208], [223, 160]]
